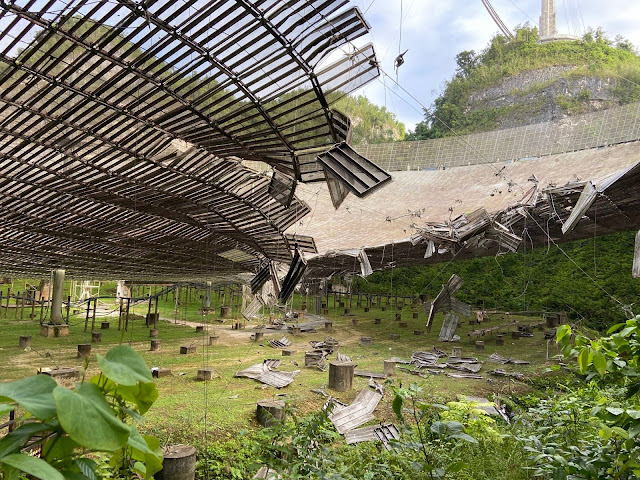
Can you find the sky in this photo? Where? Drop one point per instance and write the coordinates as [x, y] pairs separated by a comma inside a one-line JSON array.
[[434, 31]]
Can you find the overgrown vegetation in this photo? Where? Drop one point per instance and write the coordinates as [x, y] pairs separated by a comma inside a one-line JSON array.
[[594, 56], [540, 279]]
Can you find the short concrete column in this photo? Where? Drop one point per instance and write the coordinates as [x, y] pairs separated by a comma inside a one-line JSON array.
[[25, 341], [156, 345], [179, 463], [84, 350], [56, 301], [341, 376], [389, 368], [270, 412]]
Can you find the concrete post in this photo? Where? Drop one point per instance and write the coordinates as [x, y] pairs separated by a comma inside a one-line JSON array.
[[207, 296], [56, 303]]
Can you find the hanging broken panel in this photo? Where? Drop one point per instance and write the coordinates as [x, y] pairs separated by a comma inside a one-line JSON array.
[[355, 172], [296, 270], [260, 279], [303, 242], [252, 309], [337, 190], [282, 188]]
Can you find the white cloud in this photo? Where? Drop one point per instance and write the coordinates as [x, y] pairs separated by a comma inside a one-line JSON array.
[[434, 31]]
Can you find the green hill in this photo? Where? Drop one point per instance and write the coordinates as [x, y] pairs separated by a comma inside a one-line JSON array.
[[520, 81]]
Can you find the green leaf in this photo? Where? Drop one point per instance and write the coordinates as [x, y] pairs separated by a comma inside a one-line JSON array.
[[59, 448], [615, 411], [562, 332], [88, 419], [465, 437], [600, 362], [146, 449], [125, 366], [6, 408], [397, 407], [583, 360], [87, 467], [626, 331], [33, 466], [14, 440], [456, 467], [615, 328], [34, 394], [143, 395]]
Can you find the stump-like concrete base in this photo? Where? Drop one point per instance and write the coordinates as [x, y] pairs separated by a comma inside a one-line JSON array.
[[499, 340], [206, 374], [258, 336], [187, 349], [61, 372], [25, 341], [389, 368], [270, 412], [213, 339], [84, 350], [377, 321], [161, 372], [418, 332], [96, 337], [456, 352], [179, 463], [287, 352], [295, 331], [415, 314], [200, 329], [328, 326], [366, 340], [354, 322], [341, 376], [394, 336], [156, 345], [153, 333], [403, 325], [479, 345], [104, 325], [225, 312], [515, 335]]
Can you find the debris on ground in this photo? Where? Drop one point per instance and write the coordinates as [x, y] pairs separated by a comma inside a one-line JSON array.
[[265, 373], [497, 358], [503, 373], [284, 342], [359, 412]]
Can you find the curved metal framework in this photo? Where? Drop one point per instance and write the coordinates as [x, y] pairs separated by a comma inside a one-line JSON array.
[[123, 126]]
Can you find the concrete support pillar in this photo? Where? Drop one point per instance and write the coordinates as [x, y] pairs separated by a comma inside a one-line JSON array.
[[56, 302], [207, 296]]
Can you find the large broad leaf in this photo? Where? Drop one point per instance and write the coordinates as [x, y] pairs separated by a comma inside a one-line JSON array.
[[6, 408], [147, 451], [600, 362], [125, 366], [34, 394], [33, 466], [143, 395], [583, 360], [88, 419], [16, 439]]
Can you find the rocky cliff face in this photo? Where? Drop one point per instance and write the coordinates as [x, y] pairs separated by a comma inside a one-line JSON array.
[[543, 95]]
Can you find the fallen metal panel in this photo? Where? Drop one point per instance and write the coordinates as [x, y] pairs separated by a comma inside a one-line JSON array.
[[466, 367], [354, 171], [277, 379], [284, 342], [636, 258], [422, 359], [449, 326], [341, 357], [442, 302], [473, 376], [271, 363], [358, 413], [364, 373], [365, 265], [364, 434], [503, 373], [453, 360], [386, 434], [497, 358], [587, 197]]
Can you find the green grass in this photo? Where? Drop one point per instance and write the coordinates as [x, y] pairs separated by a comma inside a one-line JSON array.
[[229, 403]]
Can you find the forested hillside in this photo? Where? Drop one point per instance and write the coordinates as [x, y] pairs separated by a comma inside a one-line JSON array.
[[370, 123], [542, 279], [516, 82]]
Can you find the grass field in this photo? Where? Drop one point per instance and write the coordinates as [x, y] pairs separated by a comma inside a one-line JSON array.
[[228, 403]]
